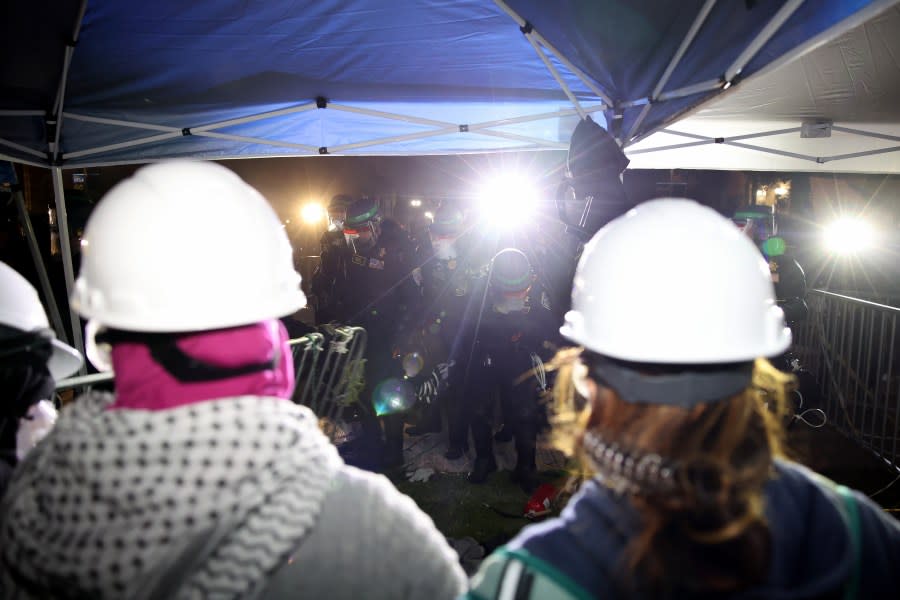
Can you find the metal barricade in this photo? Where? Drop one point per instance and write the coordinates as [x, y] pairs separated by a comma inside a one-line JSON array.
[[329, 375], [850, 345]]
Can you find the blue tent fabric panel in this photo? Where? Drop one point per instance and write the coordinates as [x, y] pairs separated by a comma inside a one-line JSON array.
[[186, 64]]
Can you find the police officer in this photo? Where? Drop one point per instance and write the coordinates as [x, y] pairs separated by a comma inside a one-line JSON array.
[[452, 286], [516, 333], [759, 224], [330, 278], [381, 296]]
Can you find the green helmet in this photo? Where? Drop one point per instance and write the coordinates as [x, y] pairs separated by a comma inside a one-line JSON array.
[[448, 221], [361, 213], [511, 271]]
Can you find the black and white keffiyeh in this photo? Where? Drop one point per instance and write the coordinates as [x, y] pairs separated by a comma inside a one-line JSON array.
[[112, 502]]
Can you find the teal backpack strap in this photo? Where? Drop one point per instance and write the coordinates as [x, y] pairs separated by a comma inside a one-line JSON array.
[[508, 574], [851, 512]]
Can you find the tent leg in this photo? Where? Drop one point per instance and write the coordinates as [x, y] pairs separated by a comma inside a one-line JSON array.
[[63, 221], [40, 267]]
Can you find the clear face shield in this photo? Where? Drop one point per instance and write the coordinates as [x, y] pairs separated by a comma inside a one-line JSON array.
[[444, 246], [362, 236], [336, 219]]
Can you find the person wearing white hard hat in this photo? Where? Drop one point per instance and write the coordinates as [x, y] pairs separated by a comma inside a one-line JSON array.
[[675, 411], [31, 361], [200, 478]]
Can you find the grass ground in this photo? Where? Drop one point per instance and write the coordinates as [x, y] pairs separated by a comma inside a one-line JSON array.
[[461, 509]]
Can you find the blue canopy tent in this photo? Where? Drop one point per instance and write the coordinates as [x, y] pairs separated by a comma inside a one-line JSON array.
[[105, 82]]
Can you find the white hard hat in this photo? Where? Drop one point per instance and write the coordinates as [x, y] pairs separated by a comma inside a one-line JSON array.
[[21, 308], [674, 282], [185, 246]]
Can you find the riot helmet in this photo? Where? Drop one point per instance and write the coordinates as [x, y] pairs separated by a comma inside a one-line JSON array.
[[445, 230], [363, 223], [510, 273], [756, 222]]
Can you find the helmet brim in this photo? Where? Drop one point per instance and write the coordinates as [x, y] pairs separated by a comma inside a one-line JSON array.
[[64, 360]]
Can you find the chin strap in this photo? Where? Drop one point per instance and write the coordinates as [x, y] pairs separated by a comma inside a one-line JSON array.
[[180, 365]]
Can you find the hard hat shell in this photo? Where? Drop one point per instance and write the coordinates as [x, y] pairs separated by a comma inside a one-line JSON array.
[[674, 282], [185, 246], [511, 271], [21, 308]]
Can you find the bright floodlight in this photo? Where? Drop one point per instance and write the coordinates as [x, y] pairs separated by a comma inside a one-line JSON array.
[[429, 215], [415, 203], [508, 200], [849, 235], [312, 212]]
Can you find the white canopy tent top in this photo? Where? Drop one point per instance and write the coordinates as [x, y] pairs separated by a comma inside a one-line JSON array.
[[835, 109]]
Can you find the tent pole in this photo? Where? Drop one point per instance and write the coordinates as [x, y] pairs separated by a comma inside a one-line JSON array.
[[690, 90], [261, 141], [685, 44], [671, 147], [774, 24], [128, 144], [523, 138], [771, 151], [257, 117], [40, 267], [24, 149], [22, 113], [734, 138], [556, 76], [119, 123], [62, 220], [825, 159], [390, 140], [63, 80], [21, 161], [871, 134], [559, 56], [392, 116]]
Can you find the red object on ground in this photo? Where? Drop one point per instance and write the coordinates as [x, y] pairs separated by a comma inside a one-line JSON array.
[[541, 501]]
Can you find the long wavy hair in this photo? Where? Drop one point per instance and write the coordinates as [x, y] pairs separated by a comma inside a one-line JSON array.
[[705, 531]]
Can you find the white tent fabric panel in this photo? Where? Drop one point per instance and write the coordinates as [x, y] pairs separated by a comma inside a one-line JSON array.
[[852, 82]]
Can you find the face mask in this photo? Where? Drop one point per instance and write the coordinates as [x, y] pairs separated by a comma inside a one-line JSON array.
[[444, 248], [508, 304]]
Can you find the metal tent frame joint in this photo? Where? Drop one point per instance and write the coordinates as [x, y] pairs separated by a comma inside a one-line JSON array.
[[321, 102], [186, 131]]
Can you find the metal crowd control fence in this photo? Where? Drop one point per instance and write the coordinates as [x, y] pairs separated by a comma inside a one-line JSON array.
[[328, 370], [850, 345]]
